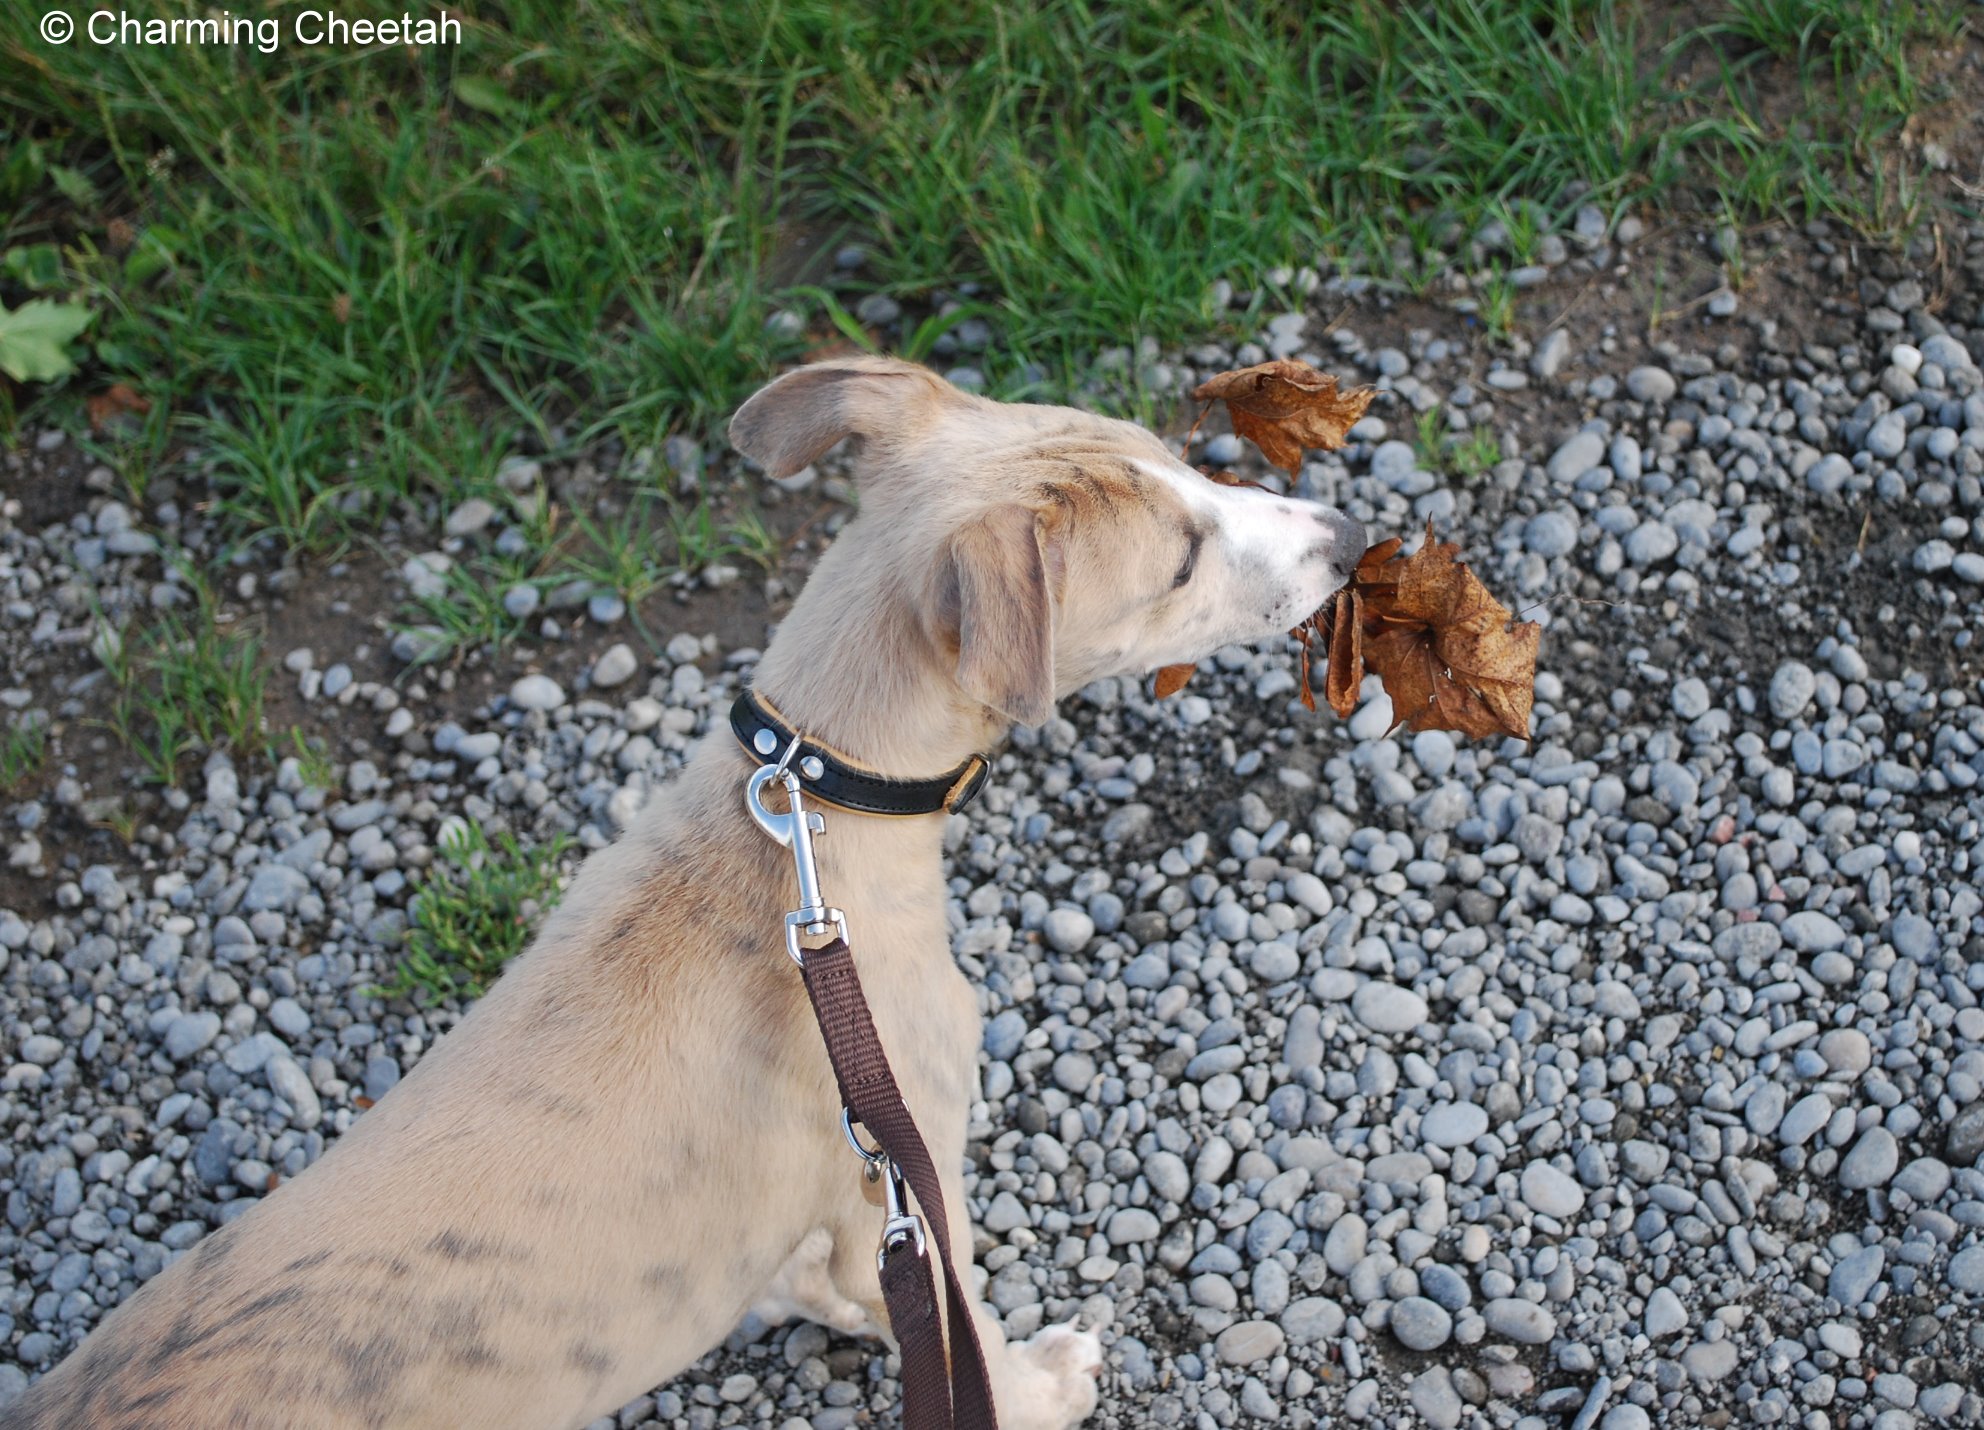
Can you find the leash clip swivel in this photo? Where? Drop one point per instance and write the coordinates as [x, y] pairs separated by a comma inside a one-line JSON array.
[[814, 918], [903, 1227]]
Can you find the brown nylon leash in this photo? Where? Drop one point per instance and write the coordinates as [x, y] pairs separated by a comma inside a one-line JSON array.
[[938, 1393], [933, 1398]]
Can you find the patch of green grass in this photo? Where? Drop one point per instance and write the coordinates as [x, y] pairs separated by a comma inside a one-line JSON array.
[[23, 751], [354, 280], [475, 911], [313, 761], [1854, 76], [186, 684], [1438, 449], [1429, 437], [469, 610], [1471, 456], [1495, 302], [629, 554]]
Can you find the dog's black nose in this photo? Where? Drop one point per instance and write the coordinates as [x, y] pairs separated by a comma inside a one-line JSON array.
[[1347, 541]]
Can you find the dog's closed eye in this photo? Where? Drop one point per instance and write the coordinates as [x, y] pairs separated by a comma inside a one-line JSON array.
[[1193, 541]]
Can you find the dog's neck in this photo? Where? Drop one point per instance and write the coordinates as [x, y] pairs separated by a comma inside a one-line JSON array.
[[861, 675]]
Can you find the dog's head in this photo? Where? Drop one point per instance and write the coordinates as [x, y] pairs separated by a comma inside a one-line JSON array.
[[1041, 547]]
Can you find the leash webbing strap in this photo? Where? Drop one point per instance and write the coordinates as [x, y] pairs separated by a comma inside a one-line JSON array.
[[934, 1398], [909, 1290]]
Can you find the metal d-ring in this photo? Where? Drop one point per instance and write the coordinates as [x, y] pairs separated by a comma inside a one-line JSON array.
[[902, 1226], [874, 1158]]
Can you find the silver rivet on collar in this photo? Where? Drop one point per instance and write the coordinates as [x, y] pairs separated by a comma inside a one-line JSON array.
[[811, 768], [764, 742]]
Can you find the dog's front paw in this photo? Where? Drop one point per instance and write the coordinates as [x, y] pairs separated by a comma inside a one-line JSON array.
[[1055, 1381]]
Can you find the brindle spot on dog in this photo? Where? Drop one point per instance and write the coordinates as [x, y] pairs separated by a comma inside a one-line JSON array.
[[456, 1245], [593, 1360]]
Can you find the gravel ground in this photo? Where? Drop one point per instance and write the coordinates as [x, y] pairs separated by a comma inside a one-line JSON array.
[[1631, 1077]]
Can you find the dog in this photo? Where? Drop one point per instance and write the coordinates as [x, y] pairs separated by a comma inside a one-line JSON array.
[[634, 1139]]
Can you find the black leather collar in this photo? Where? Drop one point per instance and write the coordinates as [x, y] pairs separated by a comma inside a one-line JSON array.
[[834, 779]]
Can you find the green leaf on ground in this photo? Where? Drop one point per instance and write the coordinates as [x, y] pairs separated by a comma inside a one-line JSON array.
[[19, 173], [37, 267], [481, 92], [35, 337], [73, 184]]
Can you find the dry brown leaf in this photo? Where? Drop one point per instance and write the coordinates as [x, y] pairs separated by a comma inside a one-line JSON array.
[[113, 402], [1346, 667], [1449, 654], [1286, 407]]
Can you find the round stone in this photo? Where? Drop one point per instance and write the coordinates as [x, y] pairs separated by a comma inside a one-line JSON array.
[[1551, 1193], [1453, 1124], [1073, 1072], [1664, 1314], [1651, 384], [1312, 1319], [1854, 1276], [1887, 437], [470, 517], [1551, 533], [1870, 1162], [1690, 698], [1419, 1323], [1846, 1050], [1515, 1319], [1067, 930], [614, 667], [1387, 1008], [1578, 455], [1250, 1342], [1792, 689], [1810, 931], [537, 692], [1133, 1224], [1651, 542]]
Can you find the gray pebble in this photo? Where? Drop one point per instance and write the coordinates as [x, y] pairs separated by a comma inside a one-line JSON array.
[[615, 666], [1387, 1008], [1420, 1324], [537, 692], [1854, 1276], [1518, 1320], [1651, 384]]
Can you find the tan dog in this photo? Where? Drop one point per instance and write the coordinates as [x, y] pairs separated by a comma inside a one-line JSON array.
[[635, 1137]]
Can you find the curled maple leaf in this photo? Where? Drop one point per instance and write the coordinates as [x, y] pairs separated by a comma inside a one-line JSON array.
[[1450, 655], [1286, 407]]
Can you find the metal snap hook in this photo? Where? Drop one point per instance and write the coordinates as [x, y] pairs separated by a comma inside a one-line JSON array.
[[794, 830]]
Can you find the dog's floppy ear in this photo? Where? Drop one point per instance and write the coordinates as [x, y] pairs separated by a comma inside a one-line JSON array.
[[993, 597], [793, 421]]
